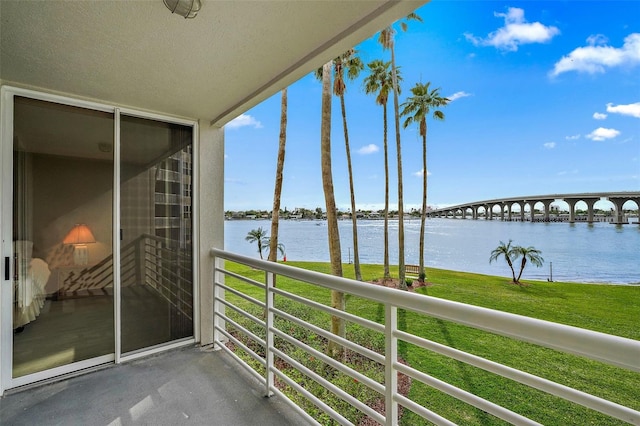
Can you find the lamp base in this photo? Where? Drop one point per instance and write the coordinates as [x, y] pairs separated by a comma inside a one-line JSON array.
[[80, 254]]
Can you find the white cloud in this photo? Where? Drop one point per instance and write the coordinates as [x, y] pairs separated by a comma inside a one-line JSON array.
[[368, 149], [599, 116], [572, 137], [243, 120], [550, 145], [597, 57], [458, 95], [420, 172], [630, 109], [597, 40], [602, 133], [516, 31]]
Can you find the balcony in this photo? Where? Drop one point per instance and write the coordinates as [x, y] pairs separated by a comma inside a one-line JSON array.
[[265, 344], [274, 332], [182, 386]]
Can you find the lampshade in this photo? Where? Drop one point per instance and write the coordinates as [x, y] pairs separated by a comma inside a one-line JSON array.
[[186, 8], [80, 234]]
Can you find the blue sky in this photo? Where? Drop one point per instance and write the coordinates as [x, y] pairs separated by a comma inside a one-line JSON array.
[[545, 99]]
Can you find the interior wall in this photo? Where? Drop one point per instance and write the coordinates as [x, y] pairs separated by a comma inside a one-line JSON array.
[[67, 191]]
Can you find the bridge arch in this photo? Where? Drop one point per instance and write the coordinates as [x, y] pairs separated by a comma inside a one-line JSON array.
[[618, 207], [468, 211]]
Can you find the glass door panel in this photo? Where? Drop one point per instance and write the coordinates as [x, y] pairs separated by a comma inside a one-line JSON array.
[[62, 232], [156, 244]]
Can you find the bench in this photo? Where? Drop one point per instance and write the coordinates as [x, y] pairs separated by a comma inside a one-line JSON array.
[[412, 271]]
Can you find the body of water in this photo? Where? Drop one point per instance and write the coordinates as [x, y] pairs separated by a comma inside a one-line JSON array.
[[598, 253]]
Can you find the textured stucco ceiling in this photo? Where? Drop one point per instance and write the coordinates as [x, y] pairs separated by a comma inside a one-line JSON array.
[[233, 55]]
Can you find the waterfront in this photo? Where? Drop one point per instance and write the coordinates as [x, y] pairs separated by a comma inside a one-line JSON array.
[[598, 253]]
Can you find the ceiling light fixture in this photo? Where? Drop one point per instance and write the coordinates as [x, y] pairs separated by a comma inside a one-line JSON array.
[[186, 8]]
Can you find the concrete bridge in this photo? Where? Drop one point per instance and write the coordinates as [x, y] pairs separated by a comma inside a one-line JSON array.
[[506, 211]]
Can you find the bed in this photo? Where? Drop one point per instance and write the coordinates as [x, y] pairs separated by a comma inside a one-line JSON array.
[[31, 275]]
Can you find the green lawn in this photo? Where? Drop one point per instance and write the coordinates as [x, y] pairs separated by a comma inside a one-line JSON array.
[[605, 308]]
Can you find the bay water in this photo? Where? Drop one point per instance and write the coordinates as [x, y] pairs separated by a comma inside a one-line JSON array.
[[597, 253]]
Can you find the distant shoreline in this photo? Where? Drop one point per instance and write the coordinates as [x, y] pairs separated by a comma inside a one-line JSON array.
[[634, 284], [597, 254]]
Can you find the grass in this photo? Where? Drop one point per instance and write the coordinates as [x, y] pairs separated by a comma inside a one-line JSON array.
[[605, 308]]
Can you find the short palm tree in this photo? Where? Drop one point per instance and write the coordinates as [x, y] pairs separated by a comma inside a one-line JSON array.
[[508, 251], [531, 254], [416, 108], [260, 236], [278, 249]]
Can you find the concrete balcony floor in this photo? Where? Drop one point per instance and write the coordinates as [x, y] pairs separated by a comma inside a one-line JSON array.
[[184, 386]]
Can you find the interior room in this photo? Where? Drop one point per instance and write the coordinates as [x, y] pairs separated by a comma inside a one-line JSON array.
[[64, 172]]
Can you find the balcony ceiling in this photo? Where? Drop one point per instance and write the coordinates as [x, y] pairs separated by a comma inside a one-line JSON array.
[[232, 56]]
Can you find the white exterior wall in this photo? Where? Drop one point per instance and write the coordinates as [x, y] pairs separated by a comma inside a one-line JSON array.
[[210, 161]]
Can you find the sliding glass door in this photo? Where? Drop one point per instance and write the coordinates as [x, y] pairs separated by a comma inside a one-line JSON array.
[[156, 244], [97, 244], [62, 234]]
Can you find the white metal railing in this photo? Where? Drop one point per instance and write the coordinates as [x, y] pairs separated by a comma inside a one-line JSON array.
[[609, 349]]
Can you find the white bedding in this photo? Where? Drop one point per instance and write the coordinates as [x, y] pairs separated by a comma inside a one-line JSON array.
[[33, 275]]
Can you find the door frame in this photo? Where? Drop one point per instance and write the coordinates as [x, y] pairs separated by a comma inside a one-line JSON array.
[[7, 95]]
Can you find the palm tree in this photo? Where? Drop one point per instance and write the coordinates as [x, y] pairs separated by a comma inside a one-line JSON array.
[[416, 108], [275, 212], [279, 248], [379, 82], [260, 236], [386, 39], [509, 253], [352, 64], [335, 255], [528, 253]]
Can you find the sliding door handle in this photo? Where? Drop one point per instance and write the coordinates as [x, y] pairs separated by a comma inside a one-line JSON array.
[[7, 263]]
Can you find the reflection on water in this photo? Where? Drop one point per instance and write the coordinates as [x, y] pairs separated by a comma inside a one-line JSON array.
[[579, 252]]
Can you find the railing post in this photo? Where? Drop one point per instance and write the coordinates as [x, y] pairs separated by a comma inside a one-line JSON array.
[[218, 307], [391, 356], [269, 376], [139, 261]]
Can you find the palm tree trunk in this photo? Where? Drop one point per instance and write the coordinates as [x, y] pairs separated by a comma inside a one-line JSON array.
[[354, 221], [337, 298], [524, 262], [394, 78], [387, 273], [275, 212], [513, 272], [423, 216]]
